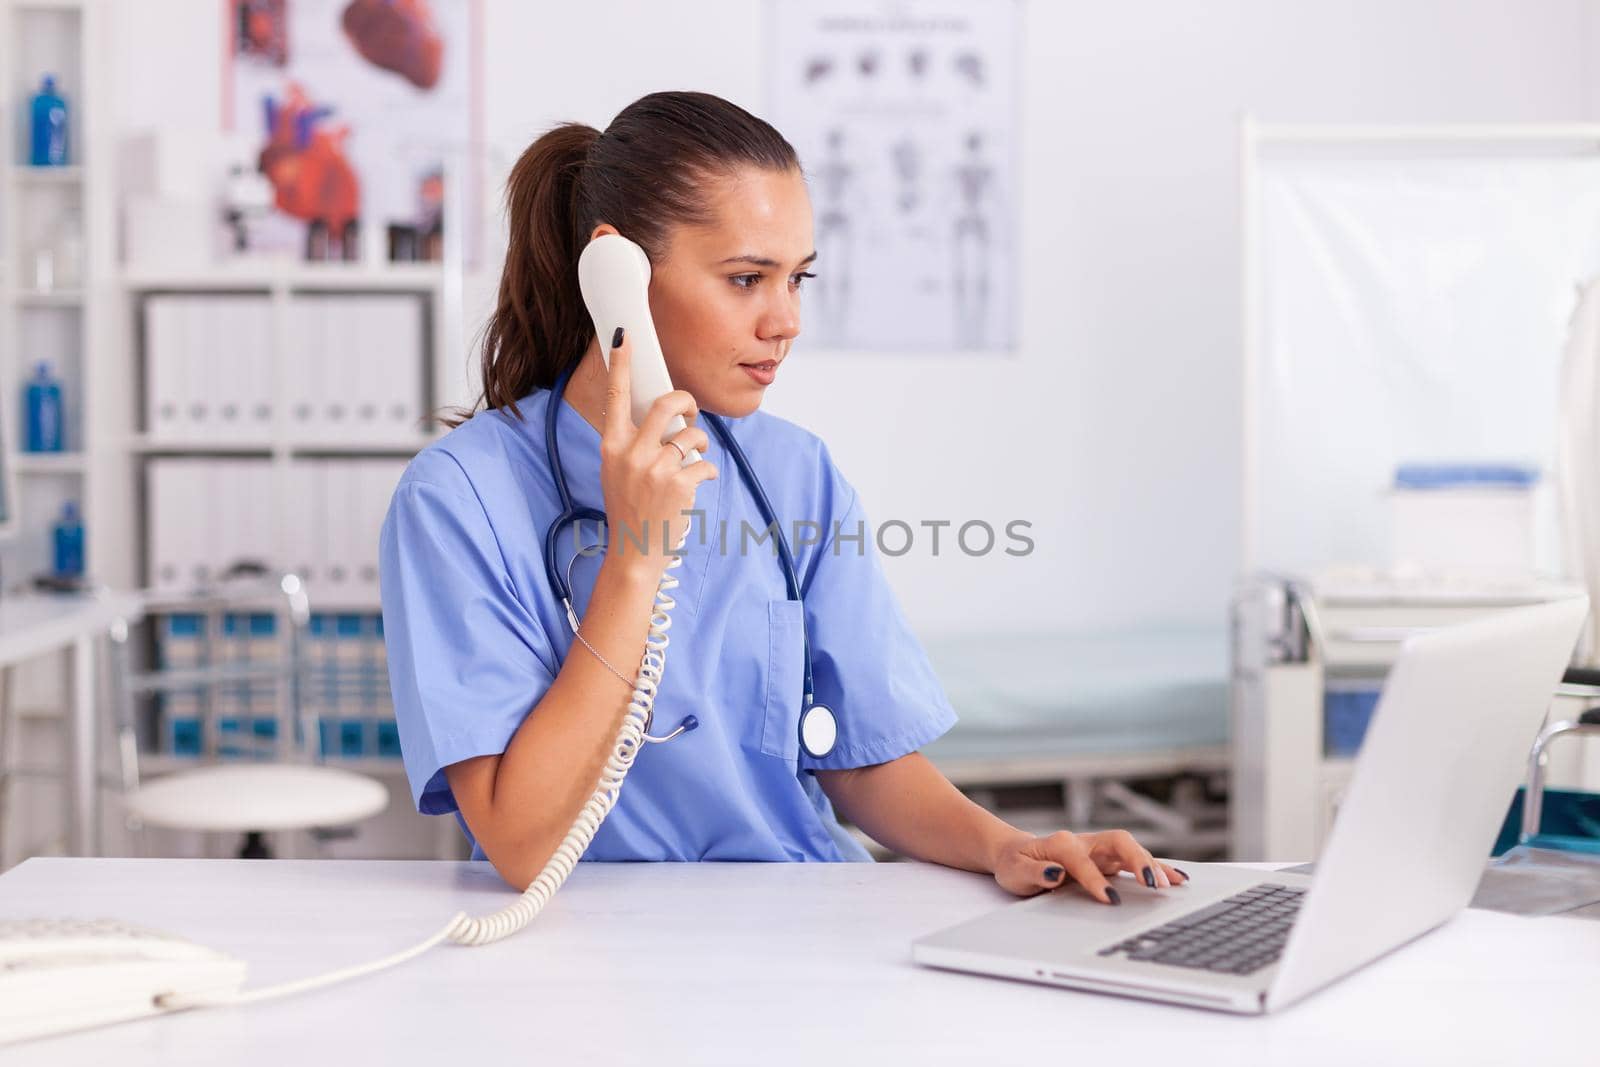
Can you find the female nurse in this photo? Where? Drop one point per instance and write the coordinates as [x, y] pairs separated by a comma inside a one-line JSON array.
[[505, 719]]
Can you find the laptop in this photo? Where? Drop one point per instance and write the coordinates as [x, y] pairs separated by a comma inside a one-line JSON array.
[[1441, 760]]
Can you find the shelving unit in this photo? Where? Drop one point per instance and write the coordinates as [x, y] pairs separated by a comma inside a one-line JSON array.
[[54, 298], [39, 208], [62, 323], [71, 174], [288, 276], [93, 331], [144, 445], [60, 463], [280, 283], [283, 449]]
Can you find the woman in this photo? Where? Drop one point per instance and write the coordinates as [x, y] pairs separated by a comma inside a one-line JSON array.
[[506, 719]]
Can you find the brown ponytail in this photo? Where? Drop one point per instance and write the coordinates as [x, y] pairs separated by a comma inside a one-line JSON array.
[[536, 315], [643, 175]]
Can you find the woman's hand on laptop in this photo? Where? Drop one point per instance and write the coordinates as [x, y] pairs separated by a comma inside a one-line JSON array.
[[1029, 865]]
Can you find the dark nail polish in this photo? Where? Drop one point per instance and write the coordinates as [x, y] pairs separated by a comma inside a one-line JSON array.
[[616, 338], [1149, 878], [1113, 896], [1182, 872], [1052, 874]]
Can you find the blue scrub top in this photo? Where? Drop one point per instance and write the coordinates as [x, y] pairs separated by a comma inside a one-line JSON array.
[[475, 635]]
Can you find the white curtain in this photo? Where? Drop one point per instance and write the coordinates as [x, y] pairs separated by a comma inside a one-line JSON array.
[[1412, 310]]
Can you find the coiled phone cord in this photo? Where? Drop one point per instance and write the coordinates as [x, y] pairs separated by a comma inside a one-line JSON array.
[[465, 930]]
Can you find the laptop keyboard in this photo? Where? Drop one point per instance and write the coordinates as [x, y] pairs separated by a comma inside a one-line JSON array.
[[1238, 935]]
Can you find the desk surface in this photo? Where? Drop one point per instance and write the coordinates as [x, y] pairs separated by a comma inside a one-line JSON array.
[[724, 963], [34, 623]]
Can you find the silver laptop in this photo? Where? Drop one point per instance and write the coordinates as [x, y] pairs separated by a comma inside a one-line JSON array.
[[1440, 762]]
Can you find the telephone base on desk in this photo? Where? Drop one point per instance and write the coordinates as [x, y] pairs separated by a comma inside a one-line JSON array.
[[61, 975]]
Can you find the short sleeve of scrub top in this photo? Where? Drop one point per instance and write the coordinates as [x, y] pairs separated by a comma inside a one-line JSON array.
[[462, 648]]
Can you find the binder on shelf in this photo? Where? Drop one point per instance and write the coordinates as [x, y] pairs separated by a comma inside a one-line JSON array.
[[239, 350], [244, 503], [224, 319], [377, 479], [206, 359], [305, 536], [345, 526], [345, 686], [388, 739], [229, 698], [317, 695], [352, 738], [256, 340], [334, 582], [181, 729], [350, 657], [207, 514], [301, 362], [171, 484], [178, 647], [261, 703], [392, 363], [199, 388], [339, 383], [353, 367], [373, 373], [163, 368], [264, 388]]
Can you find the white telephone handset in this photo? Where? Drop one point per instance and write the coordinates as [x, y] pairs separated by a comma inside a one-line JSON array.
[[614, 276]]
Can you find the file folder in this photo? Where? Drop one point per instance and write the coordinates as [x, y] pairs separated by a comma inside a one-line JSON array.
[[164, 418], [305, 539], [302, 356]]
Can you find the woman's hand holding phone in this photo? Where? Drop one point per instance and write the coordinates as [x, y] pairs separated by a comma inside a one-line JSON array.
[[649, 491]]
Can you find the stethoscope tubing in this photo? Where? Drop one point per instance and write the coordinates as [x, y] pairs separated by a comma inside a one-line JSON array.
[[570, 514]]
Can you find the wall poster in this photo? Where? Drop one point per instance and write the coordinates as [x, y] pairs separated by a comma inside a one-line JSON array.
[[904, 115], [354, 106]]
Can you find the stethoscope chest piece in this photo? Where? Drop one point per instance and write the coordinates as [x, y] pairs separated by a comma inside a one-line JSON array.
[[818, 730]]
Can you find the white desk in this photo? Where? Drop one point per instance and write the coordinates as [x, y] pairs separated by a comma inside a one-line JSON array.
[[37, 625], [724, 963]]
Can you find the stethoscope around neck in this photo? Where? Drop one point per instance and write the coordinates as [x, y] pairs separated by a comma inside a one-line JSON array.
[[818, 727]]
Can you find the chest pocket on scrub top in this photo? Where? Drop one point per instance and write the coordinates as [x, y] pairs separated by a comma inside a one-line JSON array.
[[780, 721]]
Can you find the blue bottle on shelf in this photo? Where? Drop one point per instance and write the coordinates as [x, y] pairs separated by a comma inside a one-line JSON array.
[[42, 413], [49, 128], [69, 543]]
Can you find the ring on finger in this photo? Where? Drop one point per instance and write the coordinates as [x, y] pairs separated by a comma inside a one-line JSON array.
[[682, 455]]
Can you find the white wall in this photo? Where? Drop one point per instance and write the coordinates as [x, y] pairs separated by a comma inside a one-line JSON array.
[[1115, 429]]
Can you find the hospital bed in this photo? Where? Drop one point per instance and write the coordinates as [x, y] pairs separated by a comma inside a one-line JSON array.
[[1309, 660], [1090, 712]]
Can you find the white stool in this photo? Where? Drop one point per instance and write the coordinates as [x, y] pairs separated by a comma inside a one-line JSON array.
[[261, 797], [291, 792]]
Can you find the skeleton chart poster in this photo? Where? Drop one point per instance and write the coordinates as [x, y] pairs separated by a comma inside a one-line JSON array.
[[903, 113]]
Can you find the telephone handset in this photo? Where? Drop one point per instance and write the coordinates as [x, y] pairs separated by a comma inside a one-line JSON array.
[[614, 277]]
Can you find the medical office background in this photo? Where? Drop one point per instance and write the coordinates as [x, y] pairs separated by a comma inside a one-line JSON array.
[[1094, 674]]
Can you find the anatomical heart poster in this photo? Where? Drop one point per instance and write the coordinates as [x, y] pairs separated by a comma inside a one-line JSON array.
[[354, 112], [904, 115]]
